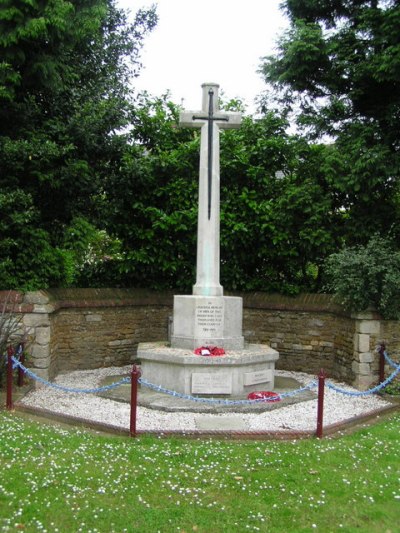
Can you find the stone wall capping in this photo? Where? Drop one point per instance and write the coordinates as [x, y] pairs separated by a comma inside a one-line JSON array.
[[15, 302], [369, 314], [323, 303], [13, 297], [93, 298], [43, 308], [36, 297], [368, 326]]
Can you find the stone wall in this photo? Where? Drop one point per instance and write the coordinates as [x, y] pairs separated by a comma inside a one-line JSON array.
[[73, 329], [105, 336], [304, 340], [94, 328], [311, 332]]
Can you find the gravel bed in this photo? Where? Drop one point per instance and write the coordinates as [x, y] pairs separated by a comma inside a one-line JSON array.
[[298, 417]]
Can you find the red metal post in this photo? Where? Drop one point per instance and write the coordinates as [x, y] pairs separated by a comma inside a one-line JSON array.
[[135, 375], [20, 381], [381, 351], [9, 401], [320, 413]]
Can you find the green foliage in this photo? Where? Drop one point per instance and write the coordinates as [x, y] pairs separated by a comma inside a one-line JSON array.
[[345, 52], [95, 254], [338, 66], [64, 95], [393, 388], [28, 261], [276, 216], [364, 172], [150, 200], [100, 187], [365, 276]]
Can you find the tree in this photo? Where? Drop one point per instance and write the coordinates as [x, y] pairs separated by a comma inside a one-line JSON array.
[[276, 219], [339, 66], [277, 216], [28, 260], [65, 68], [150, 199]]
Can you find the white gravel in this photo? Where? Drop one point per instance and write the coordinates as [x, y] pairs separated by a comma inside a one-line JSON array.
[[300, 416]]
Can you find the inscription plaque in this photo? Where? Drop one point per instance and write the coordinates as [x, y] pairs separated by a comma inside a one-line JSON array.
[[210, 319], [211, 383], [253, 378]]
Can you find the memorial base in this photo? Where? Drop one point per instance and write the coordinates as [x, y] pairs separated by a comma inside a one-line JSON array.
[[234, 374], [207, 321]]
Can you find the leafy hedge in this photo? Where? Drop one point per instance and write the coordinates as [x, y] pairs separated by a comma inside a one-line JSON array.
[[365, 276]]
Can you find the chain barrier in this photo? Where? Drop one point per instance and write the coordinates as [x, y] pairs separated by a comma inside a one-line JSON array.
[[221, 401], [135, 378], [16, 364], [390, 361], [369, 391], [158, 388]]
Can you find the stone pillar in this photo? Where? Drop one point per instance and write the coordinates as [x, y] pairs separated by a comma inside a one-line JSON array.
[[365, 358], [37, 326]]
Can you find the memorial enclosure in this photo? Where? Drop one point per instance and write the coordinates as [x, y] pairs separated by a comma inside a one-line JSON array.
[[70, 329]]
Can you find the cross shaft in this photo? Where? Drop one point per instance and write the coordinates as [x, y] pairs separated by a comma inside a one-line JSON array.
[[210, 120]]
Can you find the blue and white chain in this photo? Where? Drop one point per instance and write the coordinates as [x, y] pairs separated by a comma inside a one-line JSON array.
[[222, 401], [29, 373], [375, 389]]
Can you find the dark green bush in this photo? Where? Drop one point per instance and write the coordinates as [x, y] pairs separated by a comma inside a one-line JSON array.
[[28, 259], [367, 276]]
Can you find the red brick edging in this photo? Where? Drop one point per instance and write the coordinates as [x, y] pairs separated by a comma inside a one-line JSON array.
[[331, 429]]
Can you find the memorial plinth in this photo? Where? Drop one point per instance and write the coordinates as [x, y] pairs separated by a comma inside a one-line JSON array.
[[207, 321], [235, 374]]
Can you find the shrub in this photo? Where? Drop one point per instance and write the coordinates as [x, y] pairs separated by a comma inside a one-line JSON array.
[[28, 258], [365, 276]]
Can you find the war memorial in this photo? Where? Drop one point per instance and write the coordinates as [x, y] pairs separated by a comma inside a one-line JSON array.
[[208, 320]]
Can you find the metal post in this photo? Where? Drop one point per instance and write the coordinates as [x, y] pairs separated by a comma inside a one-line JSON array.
[[135, 375], [320, 413], [381, 351], [9, 401]]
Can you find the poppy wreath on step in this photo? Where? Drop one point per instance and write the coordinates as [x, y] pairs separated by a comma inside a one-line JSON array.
[[211, 351], [268, 396]]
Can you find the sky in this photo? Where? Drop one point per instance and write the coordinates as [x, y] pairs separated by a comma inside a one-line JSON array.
[[198, 41]]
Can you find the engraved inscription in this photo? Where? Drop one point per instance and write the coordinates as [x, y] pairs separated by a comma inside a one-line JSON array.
[[210, 319], [253, 378], [211, 383]]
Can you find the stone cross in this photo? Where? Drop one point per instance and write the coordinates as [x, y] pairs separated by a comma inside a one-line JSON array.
[[210, 120]]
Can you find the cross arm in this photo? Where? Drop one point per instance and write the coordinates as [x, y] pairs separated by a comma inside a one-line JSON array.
[[233, 122], [195, 119], [186, 120]]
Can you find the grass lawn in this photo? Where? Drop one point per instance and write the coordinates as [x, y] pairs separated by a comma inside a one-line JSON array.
[[69, 480]]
